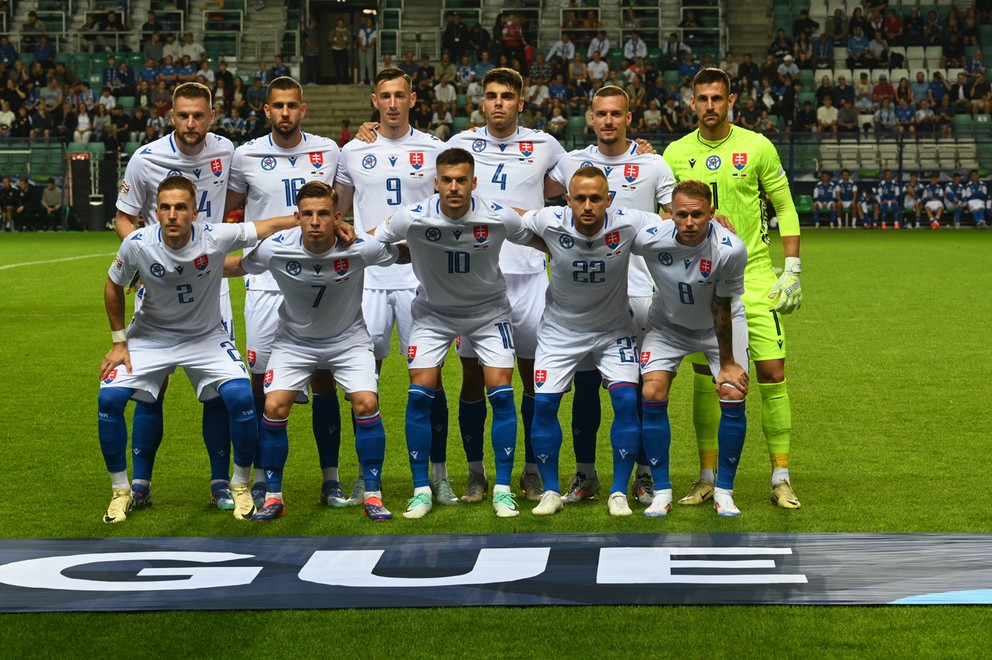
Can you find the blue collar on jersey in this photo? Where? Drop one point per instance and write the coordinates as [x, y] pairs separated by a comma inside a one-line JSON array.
[[273, 144], [437, 208]]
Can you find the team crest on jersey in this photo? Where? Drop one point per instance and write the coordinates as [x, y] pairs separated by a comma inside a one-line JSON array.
[[566, 241], [527, 148], [416, 159], [665, 259], [411, 353], [251, 357], [739, 160], [645, 357], [217, 166], [713, 162], [110, 377], [268, 378], [316, 159], [585, 163], [157, 269], [294, 268], [173, 173], [479, 146], [705, 267], [481, 233], [268, 163], [433, 234], [630, 172], [612, 240], [118, 263], [368, 162], [201, 262], [341, 266], [540, 377]]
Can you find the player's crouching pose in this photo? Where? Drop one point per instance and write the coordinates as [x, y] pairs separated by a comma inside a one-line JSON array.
[[179, 325], [455, 240], [698, 269], [320, 327], [587, 314]]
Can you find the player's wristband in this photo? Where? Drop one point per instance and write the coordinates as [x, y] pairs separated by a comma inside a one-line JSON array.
[[117, 336], [793, 265]]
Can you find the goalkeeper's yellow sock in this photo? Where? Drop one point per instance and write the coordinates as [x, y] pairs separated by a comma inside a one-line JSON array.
[[706, 420], [776, 422]]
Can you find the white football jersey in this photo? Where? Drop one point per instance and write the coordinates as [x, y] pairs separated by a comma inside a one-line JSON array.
[[687, 278], [511, 172], [271, 176], [156, 161], [457, 261], [322, 293], [388, 175], [588, 290], [637, 181], [182, 286]]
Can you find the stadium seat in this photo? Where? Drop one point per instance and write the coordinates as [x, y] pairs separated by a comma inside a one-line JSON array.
[[804, 204], [97, 149], [459, 124], [76, 147]]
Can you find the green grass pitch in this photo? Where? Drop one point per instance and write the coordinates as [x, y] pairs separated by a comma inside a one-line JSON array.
[[887, 368]]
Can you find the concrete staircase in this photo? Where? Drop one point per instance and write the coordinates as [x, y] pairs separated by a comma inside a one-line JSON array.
[[750, 30]]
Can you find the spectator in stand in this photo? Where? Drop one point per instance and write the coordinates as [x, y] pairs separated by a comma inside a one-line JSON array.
[[847, 118], [161, 100], [441, 120], [748, 69], [920, 88], [599, 44], [7, 117], [263, 73], [912, 26], [904, 91], [669, 117], [541, 69], [944, 118], [42, 123], [512, 35], [311, 52], [446, 94], [455, 37], [208, 75], [22, 123], [66, 77], [44, 52], [171, 48], [279, 68], [121, 121], [858, 55], [28, 203], [51, 206], [883, 89], [154, 48], [953, 52], [31, 31], [255, 97], [825, 89], [843, 92], [802, 49], [224, 74], [169, 73], [110, 38], [837, 29], [193, 48], [823, 52], [939, 87], [10, 197], [787, 68], [51, 95], [479, 41], [138, 124], [728, 64], [926, 118], [905, 117], [126, 82], [826, 116], [562, 52], [635, 46], [804, 25], [878, 50], [885, 119], [781, 45], [688, 69], [464, 74], [149, 27], [8, 54], [893, 29], [749, 116], [980, 96]]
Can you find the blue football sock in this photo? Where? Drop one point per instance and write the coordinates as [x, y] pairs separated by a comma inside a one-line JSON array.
[[273, 446], [733, 430], [146, 436], [656, 432], [217, 438], [586, 415], [527, 417], [370, 444], [327, 428], [243, 426], [472, 424], [439, 427], [625, 434], [504, 431], [547, 437], [112, 427], [259, 411], [418, 432]]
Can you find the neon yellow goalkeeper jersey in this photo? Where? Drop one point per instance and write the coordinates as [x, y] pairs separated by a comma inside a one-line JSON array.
[[740, 170]]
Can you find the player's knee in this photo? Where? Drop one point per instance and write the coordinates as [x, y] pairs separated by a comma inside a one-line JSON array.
[[730, 393], [654, 389], [112, 401], [770, 371], [277, 409], [472, 380], [322, 382], [237, 397], [364, 404]]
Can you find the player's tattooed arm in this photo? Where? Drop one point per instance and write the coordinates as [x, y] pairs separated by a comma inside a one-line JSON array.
[[232, 266], [233, 200], [265, 228], [113, 300], [552, 188], [730, 371], [666, 211], [124, 224], [366, 132]]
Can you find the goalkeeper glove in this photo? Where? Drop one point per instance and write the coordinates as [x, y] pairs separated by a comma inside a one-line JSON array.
[[788, 289]]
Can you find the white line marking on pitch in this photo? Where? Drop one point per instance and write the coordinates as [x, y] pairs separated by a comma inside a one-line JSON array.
[[55, 261]]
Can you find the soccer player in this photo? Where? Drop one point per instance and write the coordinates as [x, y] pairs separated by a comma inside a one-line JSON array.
[[375, 179], [266, 175], [868, 208], [888, 192], [511, 165], [455, 239], [976, 194], [954, 198], [933, 200], [825, 199], [192, 151], [740, 166], [698, 267], [847, 195], [912, 195], [178, 325], [636, 181], [587, 316], [320, 326]]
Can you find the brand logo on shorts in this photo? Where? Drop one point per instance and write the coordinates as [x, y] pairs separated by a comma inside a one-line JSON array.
[[612, 240], [416, 159], [527, 148], [479, 146], [713, 163], [566, 241], [201, 262], [540, 377], [481, 233], [411, 352], [268, 378], [739, 160], [316, 159], [251, 358], [217, 166], [433, 234], [157, 269], [705, 267], [645, 357], [268, 163], [630, 172], [368, 162], [294, 268], [110, 377], [341, 266]]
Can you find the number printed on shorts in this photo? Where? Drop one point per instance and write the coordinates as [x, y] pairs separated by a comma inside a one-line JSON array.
[[506, 334], [628, 349]]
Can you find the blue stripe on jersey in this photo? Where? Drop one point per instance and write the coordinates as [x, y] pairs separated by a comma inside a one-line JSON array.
[[172, 142]]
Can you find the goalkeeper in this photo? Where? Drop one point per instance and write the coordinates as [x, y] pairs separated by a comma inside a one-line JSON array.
[[742, 166]]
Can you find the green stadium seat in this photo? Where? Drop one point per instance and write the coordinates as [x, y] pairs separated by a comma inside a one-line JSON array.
[[27, 59], [81, 64], [126, 102], [76, 147], [461, 101], [459, 124], [804, 204], [131, 147], [96, 149]]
